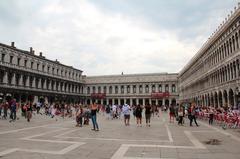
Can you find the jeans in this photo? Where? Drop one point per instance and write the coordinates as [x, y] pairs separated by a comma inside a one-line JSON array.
[[94, 121], [13, 115], [193, 118]]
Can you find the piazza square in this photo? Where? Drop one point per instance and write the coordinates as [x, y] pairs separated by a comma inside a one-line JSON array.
[[120, 86]]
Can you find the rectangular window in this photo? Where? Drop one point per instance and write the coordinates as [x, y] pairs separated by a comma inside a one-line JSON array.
[[18, 61], [48, 69], [3, 57], [43, 68], [31, 64], [11, 59], [53, 70], [37, 66], [25, 63]]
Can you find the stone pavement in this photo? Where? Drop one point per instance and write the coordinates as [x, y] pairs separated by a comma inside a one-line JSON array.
[[46, 138]]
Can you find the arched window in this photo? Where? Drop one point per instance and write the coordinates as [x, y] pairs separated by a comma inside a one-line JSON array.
[[146, 89], [104, 89], [94, 89], [128, 89], [160, 88], [116, 89], [99, 89], [122, 89], [110, 90], [173, 88], [140, 89], [134, 88], [166, 88], [153, 89]]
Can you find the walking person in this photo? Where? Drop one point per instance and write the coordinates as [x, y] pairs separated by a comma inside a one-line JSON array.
[[211, 114], [29, 111], [13, 109], [5, 110], [108, 111], [126, 112], [171, 114], [94, 108], [139, 115], [180, 115], [193, 115], [79, 117], [148, 114]]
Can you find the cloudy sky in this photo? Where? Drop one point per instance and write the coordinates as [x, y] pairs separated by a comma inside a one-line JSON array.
[[113, 36]]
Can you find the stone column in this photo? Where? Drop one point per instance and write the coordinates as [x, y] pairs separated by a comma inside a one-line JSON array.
[[13, 82], [20, 80], [67, 87], [54, 85], [50, 85], [35, 100], [34, 82], [131, 101], [107, 101], [45, 84], [143, 101], [137, 101], [150, 101], [101, 101], [39, 83], [5, 78], [27, 81], [163, 101], [125, 100], [119, 101]]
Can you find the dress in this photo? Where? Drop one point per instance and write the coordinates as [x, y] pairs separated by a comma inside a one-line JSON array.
[[139, 112]]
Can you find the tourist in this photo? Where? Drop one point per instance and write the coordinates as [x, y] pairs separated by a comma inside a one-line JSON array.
[[13, 109], [148, 114], [171, 114], [211, 114], [193, 112], [94, 108], [79, 117], [114, 111], [180, 115], [126, 112], [139, 115], [5, 110], [108, 111], [29, 111]]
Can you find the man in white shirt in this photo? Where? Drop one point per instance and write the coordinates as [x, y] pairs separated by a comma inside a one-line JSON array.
[[126, 112], [114, 111]]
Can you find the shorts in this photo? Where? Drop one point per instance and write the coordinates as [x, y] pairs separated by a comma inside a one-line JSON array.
[[148, 116], [126, 116]]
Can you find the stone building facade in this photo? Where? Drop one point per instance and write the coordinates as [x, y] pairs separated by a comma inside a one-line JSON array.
[[29, 77], [155, 89], [212, 76]]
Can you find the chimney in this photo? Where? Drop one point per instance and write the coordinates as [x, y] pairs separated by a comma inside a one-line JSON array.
[[12, 44], [33, 52], [40, 54], [31, 49]]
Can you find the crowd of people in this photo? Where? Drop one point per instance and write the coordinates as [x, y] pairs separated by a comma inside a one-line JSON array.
[[83, 113]]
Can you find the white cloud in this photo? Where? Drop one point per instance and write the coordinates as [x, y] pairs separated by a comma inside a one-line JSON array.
[[79, 33]]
